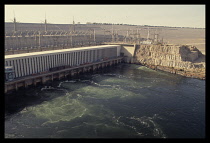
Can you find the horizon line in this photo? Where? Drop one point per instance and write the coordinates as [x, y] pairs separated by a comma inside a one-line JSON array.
[[100, 23]]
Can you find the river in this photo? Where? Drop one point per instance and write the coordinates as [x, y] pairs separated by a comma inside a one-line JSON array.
[[126, 101]]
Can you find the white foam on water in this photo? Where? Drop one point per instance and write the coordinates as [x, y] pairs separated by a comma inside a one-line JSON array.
[[61, 108], [143, 122], [59, 84], [109, 74], [47, 88], [59, 89], [95, 83], [72, 81], [64, 112], [85, 80], [95, 76]]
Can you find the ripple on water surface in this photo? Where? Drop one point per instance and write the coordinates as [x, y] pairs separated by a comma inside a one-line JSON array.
[[129, 101]]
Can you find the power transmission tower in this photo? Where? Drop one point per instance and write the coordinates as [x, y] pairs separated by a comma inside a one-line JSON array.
[[14, 21], [73, 24], [117, 37], [39, 39], [112, 34], [127, 36], [45, 22], [94, 36], [148, 34]]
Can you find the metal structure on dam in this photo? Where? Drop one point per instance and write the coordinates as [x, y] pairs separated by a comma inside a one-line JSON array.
[[26, 37], [31, 68]]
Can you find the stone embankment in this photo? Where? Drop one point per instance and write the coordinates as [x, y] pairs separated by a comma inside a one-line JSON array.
[[184, 60]]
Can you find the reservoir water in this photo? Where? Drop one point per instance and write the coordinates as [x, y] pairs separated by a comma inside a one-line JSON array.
[[126, 101]]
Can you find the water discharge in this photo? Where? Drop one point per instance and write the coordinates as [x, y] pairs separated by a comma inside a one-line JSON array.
[[127, 101]]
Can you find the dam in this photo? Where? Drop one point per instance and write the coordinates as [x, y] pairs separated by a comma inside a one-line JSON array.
[[30, 68], [35, 67], [104, 80]]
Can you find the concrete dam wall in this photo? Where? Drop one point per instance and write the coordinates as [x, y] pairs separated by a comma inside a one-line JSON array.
[[184, 60], [128, 53]]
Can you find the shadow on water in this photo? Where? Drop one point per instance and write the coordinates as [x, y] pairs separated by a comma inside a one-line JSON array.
[[23, 98]]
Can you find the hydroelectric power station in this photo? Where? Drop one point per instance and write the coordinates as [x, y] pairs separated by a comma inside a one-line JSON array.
[[30, 68]]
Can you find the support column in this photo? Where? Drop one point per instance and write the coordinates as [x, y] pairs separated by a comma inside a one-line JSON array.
[[59, 76], [16, 86], [92, 68], [34, 82], [43, 80], [26, 84], [18, 67], [5, 87], [32, 64]]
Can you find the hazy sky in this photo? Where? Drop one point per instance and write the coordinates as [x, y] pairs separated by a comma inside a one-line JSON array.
[[156, 15]]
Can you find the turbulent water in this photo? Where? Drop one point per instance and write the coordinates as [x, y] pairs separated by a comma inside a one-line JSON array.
[[127, 101]]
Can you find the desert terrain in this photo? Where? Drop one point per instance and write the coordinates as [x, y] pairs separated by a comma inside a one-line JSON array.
[[170, 35]]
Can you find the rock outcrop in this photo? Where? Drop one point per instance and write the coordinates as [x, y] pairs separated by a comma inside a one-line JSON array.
[[184, 60]]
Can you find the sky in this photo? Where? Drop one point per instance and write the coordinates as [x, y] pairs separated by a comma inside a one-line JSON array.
[[154, 15]]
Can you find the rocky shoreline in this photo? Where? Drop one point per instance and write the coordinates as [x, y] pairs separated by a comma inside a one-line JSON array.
[[182, 60], [192, 74]]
